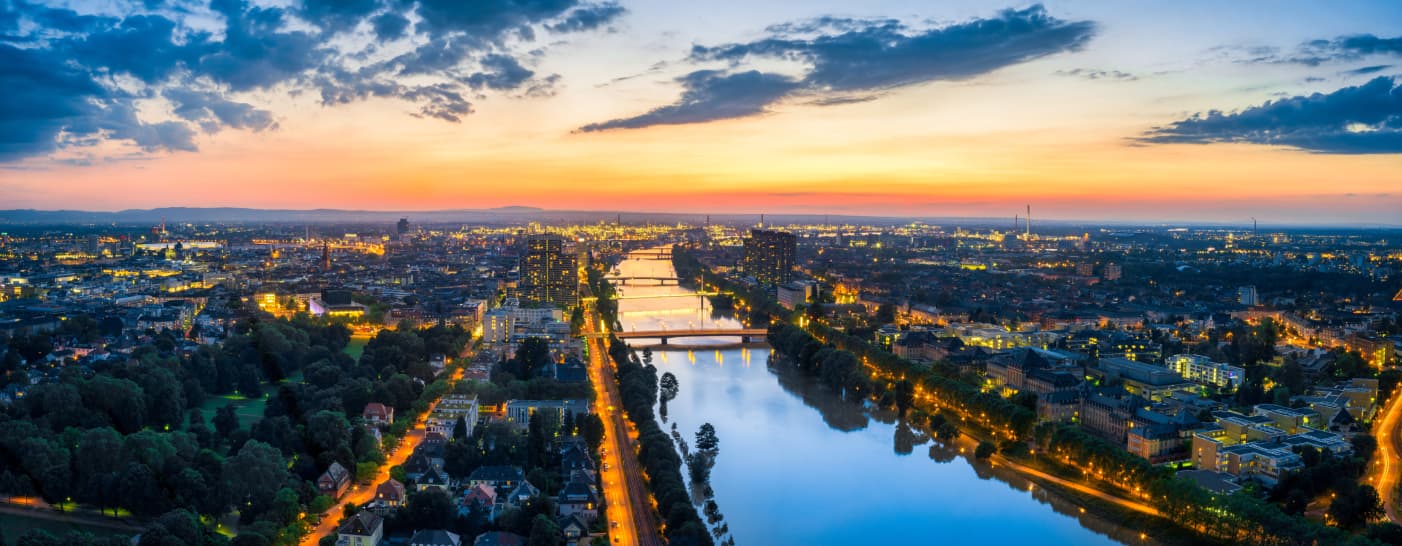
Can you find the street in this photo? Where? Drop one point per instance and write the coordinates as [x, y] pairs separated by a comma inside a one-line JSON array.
[[1383, 473], [360, 494], [629, 503]]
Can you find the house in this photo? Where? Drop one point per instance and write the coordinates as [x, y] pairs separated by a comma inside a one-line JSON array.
[[435, 537], [433, 479], [417, 465], [363, 529], [481, 495], [500, 477], [572, 527], [523, 492], [499, 538], [378, 414], [578, 498], [390, 494], [334, 481], [573, 458]]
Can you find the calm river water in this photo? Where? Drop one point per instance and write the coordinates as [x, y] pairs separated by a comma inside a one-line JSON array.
[[798, 465]]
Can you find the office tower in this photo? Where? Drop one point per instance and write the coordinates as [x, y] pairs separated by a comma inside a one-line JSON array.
[[1247, 296], [403, 227], [549, 271], [769, 256]]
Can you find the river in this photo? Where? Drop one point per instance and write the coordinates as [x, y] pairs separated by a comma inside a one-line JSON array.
[[798, 465]]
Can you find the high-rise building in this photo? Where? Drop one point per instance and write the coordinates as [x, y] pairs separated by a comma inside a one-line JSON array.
[[1112, 271], [549, 271], [1247, 296], [769, 256]]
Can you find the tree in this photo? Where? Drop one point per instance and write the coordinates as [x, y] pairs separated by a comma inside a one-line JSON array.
[[544, 532], [254, 474], [460, 430], [1355, 505], [593, 431], [668, 387], [985, 450], [226, 420], [886, 314], [430, 509], [905, 396], [706, 438]]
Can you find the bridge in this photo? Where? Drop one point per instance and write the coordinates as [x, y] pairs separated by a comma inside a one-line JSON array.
[[650, 255], [745, 334], [661, 281]]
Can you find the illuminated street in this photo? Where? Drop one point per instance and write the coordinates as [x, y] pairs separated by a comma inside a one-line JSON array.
[[1383, 473], [629, 505], [360, 494]]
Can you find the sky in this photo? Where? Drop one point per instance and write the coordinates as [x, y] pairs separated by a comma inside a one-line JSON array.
[[1289, 112]]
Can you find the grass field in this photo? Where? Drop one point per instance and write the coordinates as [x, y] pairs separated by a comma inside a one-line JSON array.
[[15, 526], [357, 346], [249, 411]]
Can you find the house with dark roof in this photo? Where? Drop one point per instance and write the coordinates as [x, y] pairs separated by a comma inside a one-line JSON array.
[[435, 537], [523, 492], [334, 481], [578, 498], [572, 527], [433, 479], [500, 477], [365, 528]]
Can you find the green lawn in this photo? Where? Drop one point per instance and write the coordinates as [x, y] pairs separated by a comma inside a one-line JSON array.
[[248, 410], [15, 526], [357, 346]]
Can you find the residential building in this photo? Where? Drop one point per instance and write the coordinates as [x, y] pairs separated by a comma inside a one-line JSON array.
[[435, 537], [769, 256], [1203, 371], [365, 528], [518, 412], [549, 272], [334, 481]]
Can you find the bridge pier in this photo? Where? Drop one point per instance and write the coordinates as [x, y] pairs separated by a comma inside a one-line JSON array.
[[664, 341]]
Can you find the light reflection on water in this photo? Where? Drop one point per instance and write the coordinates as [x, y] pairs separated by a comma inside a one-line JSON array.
[[799, 465]]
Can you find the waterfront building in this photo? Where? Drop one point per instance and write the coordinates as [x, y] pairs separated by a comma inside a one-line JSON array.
[[769, 256]]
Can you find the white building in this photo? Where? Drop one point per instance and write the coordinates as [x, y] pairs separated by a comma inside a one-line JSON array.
[[1202, 370]]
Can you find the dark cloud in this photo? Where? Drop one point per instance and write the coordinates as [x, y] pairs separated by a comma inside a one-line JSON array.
[[1367, 70], [1317, 52], [499, 72], [711, 95], [390, 26], [440, 101], [886, 54], [1094, 74], [75, 80], [589, 17], [213, 112], [845, 57], [1365, 119]]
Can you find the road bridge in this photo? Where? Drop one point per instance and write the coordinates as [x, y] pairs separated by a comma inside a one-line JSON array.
[[745, 334]]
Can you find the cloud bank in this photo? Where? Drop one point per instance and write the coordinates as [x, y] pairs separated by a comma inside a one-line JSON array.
[[75, 80], [1364, 119], [842, 57]]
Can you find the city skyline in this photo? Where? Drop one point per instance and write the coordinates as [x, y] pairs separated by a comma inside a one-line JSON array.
[[1191, 112]]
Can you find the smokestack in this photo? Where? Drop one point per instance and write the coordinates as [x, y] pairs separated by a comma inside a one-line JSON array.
[[1029, 221], [326, 257], [1017, 221]]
